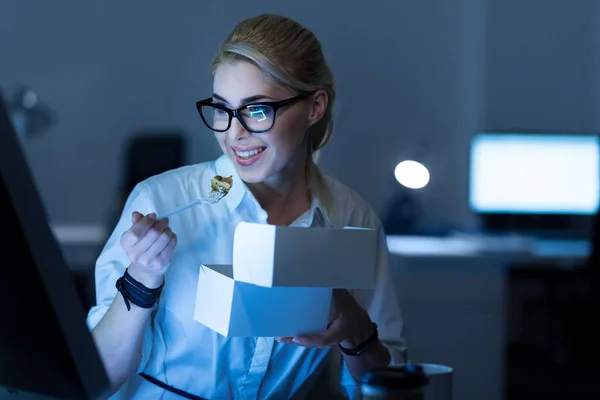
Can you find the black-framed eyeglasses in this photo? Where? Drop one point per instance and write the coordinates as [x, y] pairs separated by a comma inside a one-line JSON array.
[[255, 117]]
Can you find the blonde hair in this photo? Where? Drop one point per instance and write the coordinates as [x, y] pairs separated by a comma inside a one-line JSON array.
[[291, 56]]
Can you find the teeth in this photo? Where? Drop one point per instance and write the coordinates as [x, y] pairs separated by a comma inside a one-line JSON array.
[[247, 154]]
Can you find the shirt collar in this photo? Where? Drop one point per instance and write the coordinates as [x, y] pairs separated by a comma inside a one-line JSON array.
[[224, 167]]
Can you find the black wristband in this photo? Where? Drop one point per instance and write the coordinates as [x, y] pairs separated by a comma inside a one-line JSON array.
[[361, 347], [136, 293]]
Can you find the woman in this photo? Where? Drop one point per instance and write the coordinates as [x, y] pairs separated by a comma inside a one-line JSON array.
[[271, 110]]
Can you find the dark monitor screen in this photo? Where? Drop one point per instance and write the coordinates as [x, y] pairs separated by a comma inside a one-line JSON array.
[[45, 346]]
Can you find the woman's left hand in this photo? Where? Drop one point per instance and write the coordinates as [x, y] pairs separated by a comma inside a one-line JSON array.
[[350, 326]]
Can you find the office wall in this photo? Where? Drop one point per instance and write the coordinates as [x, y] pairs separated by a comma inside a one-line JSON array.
[[541, 69], [429, 73]]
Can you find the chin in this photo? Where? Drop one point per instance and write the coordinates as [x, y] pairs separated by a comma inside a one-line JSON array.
[[252, 176], [257, 172]]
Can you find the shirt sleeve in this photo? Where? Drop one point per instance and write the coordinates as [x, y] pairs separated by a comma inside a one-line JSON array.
[[113, 261], [384, 309]]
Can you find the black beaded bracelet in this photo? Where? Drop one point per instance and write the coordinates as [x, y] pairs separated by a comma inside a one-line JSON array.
[[136, 293], [361, 347]]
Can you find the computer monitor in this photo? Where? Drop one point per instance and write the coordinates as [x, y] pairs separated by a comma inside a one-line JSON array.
[[45, 346], [534, 180]]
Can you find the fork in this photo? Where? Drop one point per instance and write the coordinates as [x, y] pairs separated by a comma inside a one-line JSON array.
[[213, 198]]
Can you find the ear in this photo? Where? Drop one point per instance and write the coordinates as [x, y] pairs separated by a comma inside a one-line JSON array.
[[319, 101]]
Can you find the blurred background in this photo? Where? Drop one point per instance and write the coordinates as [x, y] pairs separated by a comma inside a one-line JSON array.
[[103, 95]]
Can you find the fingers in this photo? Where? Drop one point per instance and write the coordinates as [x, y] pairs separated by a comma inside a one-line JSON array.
[[162, 240], [137, 230], [287, 340], [317, 341], [330, 337], [151, 235], [351, 324], [149, 243], [136, 216], [164, 258]]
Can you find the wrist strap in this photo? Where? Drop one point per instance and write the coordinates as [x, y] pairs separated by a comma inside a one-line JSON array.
[[136, 293], [361, 347]]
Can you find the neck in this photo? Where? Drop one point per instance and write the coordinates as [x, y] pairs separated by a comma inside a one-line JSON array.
[[286, 196]]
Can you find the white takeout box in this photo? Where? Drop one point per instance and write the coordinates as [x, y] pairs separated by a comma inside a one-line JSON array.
[[281, 280]]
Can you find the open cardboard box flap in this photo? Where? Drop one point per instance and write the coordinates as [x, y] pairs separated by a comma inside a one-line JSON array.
[[269, 255]]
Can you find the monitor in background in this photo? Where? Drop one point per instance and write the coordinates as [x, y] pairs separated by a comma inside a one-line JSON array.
[[45, 346], [535, 182]]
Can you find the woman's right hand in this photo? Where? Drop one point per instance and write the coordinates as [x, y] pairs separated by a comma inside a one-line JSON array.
[[149, 244]]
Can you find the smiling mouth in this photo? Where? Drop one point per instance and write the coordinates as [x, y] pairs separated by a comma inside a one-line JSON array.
[[249, 153]]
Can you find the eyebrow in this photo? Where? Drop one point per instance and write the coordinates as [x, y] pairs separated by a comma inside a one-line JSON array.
[[245, 100]]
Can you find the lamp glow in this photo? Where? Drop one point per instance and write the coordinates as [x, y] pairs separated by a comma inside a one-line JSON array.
[[412, 174]]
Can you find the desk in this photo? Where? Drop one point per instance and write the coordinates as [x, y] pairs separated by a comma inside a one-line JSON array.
[[453, 295]]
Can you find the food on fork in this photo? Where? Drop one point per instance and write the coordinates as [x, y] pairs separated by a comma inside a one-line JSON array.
[[221, 184], [219, 188]]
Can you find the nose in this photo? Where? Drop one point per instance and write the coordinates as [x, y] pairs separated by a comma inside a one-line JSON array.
[[237, 131]]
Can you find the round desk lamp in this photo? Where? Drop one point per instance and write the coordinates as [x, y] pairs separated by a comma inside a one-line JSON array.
[[403, 211], [411, 174]]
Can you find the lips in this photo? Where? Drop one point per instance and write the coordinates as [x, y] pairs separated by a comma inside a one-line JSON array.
[[246, 156], [249, 153]]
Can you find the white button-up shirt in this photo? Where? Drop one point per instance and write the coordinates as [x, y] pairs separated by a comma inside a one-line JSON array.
[[189, 356]]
